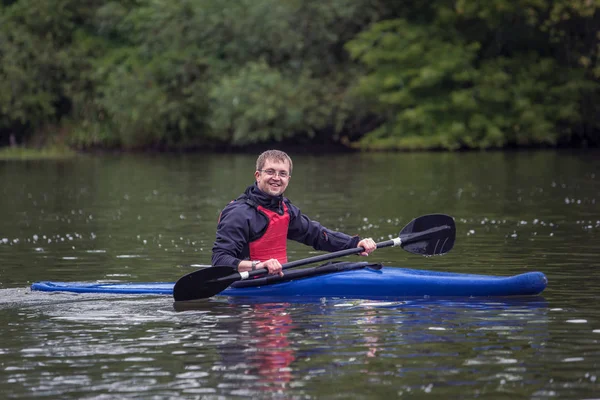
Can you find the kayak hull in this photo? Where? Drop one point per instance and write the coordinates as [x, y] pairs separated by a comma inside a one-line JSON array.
[[392, 282], [387, 282]]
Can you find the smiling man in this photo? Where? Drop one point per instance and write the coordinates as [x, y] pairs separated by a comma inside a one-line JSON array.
[[253, 230]]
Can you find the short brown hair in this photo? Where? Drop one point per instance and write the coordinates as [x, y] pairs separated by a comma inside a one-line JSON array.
[[276, 155]]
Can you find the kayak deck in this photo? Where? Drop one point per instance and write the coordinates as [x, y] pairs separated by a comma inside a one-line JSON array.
[[365, 283]]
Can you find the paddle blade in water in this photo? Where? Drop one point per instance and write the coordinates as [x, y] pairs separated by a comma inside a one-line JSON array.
[[204, 283], [429, 235]]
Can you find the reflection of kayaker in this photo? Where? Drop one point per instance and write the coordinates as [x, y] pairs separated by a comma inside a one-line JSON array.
[[273, 354]]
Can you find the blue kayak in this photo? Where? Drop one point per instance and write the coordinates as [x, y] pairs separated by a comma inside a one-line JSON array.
[[361, 283]]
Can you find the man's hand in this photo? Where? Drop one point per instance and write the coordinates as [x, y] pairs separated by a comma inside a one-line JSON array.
[[273, 265], [368, 244]]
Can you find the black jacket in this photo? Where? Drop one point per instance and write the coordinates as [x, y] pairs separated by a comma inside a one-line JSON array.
[[241, 223]]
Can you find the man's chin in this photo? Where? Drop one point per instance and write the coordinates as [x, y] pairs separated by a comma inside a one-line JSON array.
[[271, 191]]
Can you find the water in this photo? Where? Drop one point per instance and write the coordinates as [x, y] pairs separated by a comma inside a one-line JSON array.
[[151, 218]]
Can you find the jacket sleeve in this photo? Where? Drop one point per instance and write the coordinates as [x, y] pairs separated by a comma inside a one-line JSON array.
[[233, 233], [304, 230]]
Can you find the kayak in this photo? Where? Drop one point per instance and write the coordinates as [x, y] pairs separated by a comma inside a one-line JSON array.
[[357, 280]]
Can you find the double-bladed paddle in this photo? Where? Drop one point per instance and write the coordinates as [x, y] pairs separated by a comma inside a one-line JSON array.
[[428, 235]]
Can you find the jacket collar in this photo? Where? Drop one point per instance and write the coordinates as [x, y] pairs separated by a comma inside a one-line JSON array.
[[264, 199]]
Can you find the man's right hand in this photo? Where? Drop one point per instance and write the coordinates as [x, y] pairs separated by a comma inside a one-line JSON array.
[[273, 265]]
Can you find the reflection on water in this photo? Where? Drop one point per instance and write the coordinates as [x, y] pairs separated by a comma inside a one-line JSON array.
[[227, 347], [261, 349], [274, 354]]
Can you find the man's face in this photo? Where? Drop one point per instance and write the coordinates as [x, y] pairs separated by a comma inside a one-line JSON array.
[[270, 180]]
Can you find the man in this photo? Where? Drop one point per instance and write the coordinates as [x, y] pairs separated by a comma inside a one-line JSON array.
[[253, 229]]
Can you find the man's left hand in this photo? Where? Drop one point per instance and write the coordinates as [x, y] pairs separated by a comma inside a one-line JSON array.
[[368, 244]]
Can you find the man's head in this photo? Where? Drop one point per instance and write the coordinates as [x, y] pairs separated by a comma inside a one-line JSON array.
[[273, 172]]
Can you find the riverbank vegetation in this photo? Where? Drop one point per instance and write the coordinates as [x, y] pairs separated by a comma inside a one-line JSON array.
[[28, 153], [366, 74]]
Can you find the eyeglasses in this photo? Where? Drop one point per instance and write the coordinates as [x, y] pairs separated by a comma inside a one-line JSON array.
[[272, 172]]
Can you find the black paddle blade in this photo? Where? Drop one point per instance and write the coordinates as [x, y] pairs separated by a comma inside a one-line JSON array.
[[204, 283], [429, 235]]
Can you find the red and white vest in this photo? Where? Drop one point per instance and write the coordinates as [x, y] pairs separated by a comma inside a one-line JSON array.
[[273, 243]]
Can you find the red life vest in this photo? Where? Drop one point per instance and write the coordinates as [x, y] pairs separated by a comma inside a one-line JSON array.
[[273, 243]]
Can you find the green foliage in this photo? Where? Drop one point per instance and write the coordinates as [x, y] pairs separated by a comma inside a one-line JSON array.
[[196, 75], [34, 62], [441, 86], [147, 104], [410, 75], [259, 104], [28, 72], [140, 94]]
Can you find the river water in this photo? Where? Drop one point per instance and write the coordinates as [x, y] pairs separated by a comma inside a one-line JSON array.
[[140, 218]]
